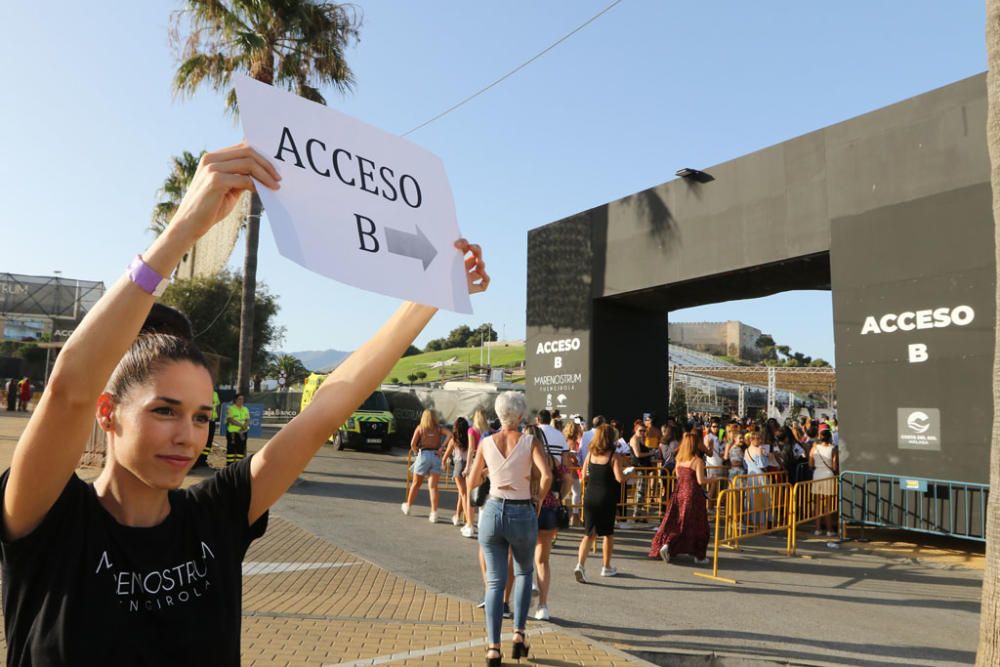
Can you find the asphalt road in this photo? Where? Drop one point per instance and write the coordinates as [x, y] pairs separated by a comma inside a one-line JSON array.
[[846, 607]]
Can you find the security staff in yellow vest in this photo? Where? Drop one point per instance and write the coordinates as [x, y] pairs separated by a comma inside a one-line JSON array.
[[237, 425], [207, 451]]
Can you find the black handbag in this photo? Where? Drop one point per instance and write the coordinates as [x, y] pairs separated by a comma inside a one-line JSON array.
[[481, 493], [562, 517]]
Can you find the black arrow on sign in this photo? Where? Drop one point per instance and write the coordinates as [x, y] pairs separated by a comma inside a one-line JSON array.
[[406, 244]]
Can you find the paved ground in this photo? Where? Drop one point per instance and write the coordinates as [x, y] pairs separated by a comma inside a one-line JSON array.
[[342, 577], [860, 605]]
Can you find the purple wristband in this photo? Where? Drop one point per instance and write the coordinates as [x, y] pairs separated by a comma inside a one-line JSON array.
[[146, 278]]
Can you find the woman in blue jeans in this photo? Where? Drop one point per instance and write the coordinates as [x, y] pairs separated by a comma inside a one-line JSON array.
[[509, 520]]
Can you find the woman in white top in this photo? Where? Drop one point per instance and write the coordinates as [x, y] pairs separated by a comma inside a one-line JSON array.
[[824, 459], [508, 521]]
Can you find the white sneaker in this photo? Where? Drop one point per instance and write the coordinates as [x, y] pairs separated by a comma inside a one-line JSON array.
[[818, 533], [609, 572], [701, 561], [406, 508], [831, 533], [455, 520], [467, 531], [580, 574], [433, 517], [665, 553], [542, 614]]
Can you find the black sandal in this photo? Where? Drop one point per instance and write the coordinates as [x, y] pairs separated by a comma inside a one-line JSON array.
[[494, 662], [520, 648]]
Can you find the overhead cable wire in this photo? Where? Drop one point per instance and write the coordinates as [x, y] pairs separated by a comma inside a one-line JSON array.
[[218, 315], [516, 69]]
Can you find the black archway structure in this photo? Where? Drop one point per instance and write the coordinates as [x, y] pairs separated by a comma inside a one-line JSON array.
[[890, 210]]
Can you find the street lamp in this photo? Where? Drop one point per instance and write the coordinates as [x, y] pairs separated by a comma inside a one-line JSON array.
[[696, 175]]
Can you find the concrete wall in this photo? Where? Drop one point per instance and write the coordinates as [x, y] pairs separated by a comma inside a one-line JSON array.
[[765, 225]]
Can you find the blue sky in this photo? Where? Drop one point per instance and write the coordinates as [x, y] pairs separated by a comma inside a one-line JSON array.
[[88, 124]]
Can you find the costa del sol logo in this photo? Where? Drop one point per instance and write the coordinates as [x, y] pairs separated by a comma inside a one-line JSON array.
[[918, 422]]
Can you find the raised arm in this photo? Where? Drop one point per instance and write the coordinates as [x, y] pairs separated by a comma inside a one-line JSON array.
[[278, 464], [52, 443]]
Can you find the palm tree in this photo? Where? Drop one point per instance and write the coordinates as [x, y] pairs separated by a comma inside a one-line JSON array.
[[988, 651], [295, 44], [290, 367], [172, 192]]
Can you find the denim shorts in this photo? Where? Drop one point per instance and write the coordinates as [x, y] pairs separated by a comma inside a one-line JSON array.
[[427, 463], [547, 519]]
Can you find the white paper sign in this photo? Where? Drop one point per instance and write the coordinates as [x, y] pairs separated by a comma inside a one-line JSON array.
[[356, 203]]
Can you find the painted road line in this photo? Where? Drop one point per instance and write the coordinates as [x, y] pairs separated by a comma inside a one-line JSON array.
[[252, 568]]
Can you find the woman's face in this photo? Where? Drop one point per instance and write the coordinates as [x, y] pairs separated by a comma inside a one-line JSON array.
[[160, 426]]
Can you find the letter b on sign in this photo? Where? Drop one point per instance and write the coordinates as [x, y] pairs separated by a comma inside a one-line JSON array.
[[918, 353], [366, 237], [557, 362]]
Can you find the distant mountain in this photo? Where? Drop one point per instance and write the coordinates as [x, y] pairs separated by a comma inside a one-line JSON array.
[[320, 361]]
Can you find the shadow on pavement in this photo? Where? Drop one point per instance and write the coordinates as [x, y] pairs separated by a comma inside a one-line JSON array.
[[775, 646]]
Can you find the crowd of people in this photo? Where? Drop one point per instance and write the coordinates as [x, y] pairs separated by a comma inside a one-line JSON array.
[[528, 477], [18, 394]]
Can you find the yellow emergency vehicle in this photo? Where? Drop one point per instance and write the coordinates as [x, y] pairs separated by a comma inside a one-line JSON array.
[[371, 425]]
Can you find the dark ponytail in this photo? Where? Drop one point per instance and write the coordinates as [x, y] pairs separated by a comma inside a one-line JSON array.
[[149, 353], [165, 337]]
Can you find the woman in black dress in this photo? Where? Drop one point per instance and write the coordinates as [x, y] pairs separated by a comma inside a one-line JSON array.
[[603, 477]]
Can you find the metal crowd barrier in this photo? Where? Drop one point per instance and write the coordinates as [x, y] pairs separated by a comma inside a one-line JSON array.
[[645, 493], [761, 478], [922, 505], [810, 501], [748, 510]]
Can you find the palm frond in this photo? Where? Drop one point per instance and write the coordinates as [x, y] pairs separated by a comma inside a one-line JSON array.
[[232, 104], [305, 90], [182, 170], [296, 44]]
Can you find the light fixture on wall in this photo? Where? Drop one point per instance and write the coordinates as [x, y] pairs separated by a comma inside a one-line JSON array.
[[695, 175]]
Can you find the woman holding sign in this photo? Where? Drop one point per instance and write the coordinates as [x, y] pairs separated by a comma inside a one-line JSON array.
[[131, 569]]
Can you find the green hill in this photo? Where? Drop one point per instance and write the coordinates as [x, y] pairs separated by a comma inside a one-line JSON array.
[[465, 360]]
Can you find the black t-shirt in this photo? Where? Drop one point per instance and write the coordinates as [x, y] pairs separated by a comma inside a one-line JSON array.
[[84, 589]]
